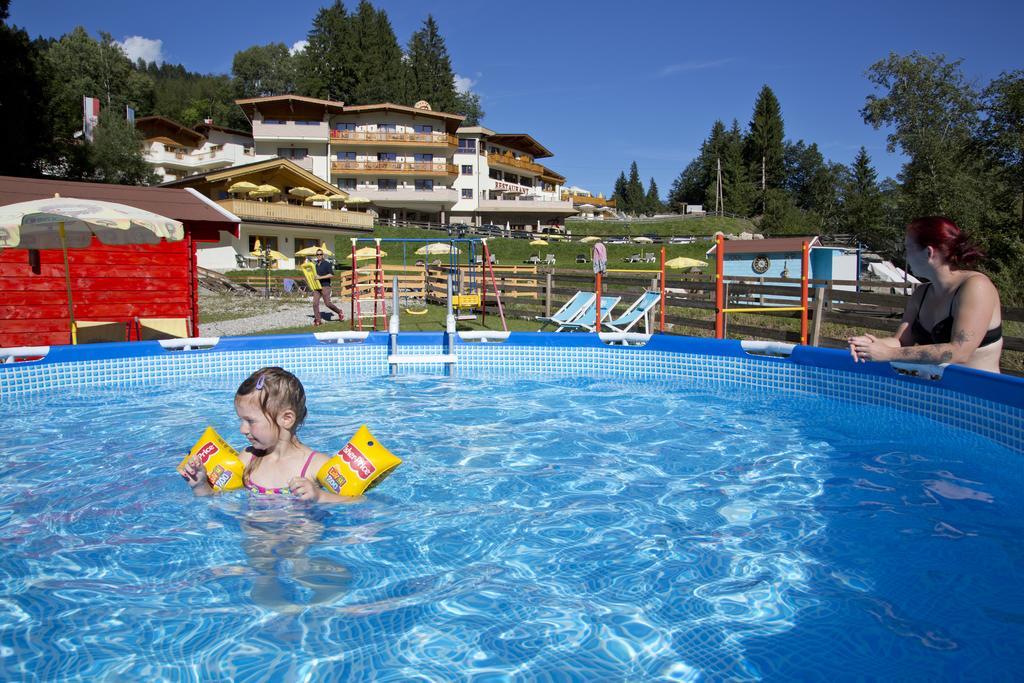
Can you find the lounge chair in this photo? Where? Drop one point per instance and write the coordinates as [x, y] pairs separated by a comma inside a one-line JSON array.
[[549, 260], [569, 311], [637, 310], [587, 320]]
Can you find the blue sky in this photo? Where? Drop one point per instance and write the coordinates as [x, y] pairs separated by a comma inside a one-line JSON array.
[[604, 83]]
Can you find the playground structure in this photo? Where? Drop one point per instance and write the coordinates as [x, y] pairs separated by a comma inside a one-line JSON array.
[[467, 288]]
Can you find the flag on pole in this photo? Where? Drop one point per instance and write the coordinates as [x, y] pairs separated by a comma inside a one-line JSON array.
[[130, 114], [90, 116]]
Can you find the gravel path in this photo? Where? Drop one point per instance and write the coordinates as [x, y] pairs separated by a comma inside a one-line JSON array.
[[267, 314]]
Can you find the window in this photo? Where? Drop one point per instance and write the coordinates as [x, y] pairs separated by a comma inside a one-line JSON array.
[[467, 145], [265, 242], [425, 158], [467, 193], [511, 178], [308, 123], [423, 129], [528, 182], [346, 156], [495, 174], [274, 122], [387, 128], [424, 185], [386, 156], [346, 183], [292, 152], [387, 184], [344, 126], [467, 169]]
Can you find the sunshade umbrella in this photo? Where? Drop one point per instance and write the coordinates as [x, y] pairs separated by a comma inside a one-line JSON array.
[[60, 222], [591, 238], [437, 248], [336, 197], [271, 189], [644, 240], [356, 200], [271, 254], [586, 207], [242, 187], [684, 262], [538, 243], [316, 198], [368, 253], [301, 192]]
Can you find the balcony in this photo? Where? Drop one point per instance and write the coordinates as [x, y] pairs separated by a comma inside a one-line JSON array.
[[281, 212], [420, 168], [509, 161], [527, 205], [290, 130], [358, 137], [196, 160], [579, 199], [440, 197]]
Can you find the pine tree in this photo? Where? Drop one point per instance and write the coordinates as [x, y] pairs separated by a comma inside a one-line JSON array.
[[696, 183], [863, 200], [737, 191], [620, 192], [24, 115], [634, 192], [652, 202], [325, 67], [764, 141], [379, 70], [432, 78]]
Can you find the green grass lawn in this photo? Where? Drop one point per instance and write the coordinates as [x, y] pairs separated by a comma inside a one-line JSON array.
[[698, 225]]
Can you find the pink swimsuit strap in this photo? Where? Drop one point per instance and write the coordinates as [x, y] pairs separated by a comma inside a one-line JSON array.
[[263, 491]]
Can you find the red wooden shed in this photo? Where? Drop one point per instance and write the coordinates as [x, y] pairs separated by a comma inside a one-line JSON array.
[[120, 292]]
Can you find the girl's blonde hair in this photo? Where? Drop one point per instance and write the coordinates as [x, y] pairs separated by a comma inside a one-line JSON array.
[[278, 390]]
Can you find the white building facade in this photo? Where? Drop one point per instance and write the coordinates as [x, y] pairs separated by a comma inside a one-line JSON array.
[[176, 151]]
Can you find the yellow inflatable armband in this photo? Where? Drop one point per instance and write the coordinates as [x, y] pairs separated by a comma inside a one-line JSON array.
[[358, 467], [223, 466], [309, 270]]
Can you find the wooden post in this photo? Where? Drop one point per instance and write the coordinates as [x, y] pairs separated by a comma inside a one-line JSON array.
[[547, 294], [804, 273], [820, 295], [719, 293], [725, 304], [597, 320]]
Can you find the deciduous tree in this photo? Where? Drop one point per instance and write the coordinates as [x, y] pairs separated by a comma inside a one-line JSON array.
[[264, 70]]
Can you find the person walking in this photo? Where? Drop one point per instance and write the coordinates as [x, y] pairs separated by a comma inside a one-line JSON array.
[[324, 273]]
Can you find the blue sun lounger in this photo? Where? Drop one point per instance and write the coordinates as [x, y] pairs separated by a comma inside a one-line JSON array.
[[569, 311], [637, 310], [587, 319]]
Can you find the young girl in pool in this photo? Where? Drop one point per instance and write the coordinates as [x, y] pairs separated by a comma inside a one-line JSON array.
[[271, 406]]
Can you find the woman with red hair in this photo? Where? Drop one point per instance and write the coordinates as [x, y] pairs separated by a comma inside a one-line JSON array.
[[954, 317]]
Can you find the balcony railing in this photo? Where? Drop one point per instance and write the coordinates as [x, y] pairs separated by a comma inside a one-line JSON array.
[[509, 160], [281, 212], [578, 199], [530, 204], [439, 195], [384, 138], [394, 167]]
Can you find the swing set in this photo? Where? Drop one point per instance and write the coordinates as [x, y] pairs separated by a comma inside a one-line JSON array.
[[470, 286]]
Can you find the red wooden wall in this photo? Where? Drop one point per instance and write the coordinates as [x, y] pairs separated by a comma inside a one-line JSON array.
[[110, 283]]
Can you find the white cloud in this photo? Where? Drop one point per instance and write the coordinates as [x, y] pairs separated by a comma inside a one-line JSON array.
[[147, 49], [298, 46], [463, 83], [691, 66]]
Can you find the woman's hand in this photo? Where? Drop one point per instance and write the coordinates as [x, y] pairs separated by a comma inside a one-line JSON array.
[[195, 474], [305, 489], [867, 347]]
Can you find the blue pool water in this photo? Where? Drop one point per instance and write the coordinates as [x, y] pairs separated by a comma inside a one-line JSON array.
[[555, 530]]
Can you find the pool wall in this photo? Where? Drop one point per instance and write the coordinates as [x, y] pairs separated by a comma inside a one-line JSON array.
[[984, 403]]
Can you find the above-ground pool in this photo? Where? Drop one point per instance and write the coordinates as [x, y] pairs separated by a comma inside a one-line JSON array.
[[567, 510]]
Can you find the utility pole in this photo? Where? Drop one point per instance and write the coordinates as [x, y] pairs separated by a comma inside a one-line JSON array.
[[764, 193]]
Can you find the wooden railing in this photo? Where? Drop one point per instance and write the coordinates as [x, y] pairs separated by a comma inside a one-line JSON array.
[[412, 167], [281, 212], [358, 136], [509, 160], [580, 199]]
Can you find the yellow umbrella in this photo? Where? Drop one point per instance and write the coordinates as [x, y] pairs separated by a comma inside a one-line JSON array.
[[644, 240], [269, 253], [316, 198], [538, 243], [437, 248], [301, 192], [311, 251], [242, 187], [336, 197], [590, 239], [356, 200], [368, 253], [684, 262]]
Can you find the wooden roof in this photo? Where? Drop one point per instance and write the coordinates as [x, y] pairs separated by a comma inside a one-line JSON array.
[[289, 105], [200, 216], [205, 128], [522, 142], [775, 245], [452, 121], [549, 174], [281, 173], [162, 128]]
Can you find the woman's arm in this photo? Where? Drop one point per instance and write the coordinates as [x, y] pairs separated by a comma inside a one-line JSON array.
[[900, 339]]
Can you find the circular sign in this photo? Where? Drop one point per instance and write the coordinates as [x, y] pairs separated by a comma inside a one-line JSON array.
[[761, 264]]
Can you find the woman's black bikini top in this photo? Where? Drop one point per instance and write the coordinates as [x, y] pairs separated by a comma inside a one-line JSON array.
[[942, 331]]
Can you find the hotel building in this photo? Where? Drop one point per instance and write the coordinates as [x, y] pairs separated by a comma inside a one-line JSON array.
[[176, 151]]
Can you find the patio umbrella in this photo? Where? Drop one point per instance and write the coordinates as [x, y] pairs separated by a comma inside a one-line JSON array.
[[586, 207], [642, 240], [316, 198], [368, 253], [684, 262], [271, 254], [242, 187], [590, 238], [63, 222], [311, 251], [437, 248], [356, 200], [336, 197], [538, 243], [301, 192]]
